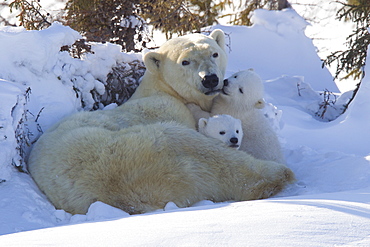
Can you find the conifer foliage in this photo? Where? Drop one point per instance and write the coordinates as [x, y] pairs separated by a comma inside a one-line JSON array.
[[352, 60], [125, 22], [115, 21], [31, 15]]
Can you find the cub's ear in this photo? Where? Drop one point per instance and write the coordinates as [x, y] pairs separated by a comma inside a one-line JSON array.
[[152, 61], [260, 104], [219, 36], [202, 123]]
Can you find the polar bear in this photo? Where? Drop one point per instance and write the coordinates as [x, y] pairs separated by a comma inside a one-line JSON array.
[[242, 98], [223, 127], [147, 152]]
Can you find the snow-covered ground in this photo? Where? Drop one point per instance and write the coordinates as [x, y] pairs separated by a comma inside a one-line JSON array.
[[328, 205]]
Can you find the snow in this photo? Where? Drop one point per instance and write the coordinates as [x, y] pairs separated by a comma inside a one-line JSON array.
[[9, 98], [281, 49], [328, 205], [328, 33], [319, 220]]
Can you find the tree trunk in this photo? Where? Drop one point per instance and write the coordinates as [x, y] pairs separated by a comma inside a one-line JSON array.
[[283, 4]]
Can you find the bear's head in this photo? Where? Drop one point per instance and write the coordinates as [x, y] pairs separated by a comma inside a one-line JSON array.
[[190, 67], [244, 89], [223, 127]]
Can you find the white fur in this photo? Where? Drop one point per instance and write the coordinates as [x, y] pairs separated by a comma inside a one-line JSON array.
[[223, 127], [242, 98]]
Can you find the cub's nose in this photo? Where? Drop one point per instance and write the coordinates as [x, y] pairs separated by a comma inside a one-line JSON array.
[[234, 140], [226, 82], [210, 81]]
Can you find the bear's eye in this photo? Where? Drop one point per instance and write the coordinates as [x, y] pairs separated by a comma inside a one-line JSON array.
[[237, 131], [235, 76], [185, 62], [215, 54], [222, 133], [241, 90]]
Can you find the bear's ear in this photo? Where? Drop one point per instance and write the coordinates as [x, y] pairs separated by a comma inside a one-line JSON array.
[[202, 123], [152, 61], [219, 36], [260, 104]]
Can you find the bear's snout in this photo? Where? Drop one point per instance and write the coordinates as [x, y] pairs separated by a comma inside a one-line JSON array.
[[226, 82], [210, 81], [234, 140]]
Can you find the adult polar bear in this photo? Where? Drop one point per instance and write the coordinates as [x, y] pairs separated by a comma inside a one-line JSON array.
[[146, 153]]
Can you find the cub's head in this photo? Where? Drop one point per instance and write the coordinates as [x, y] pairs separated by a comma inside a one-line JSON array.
[[223, 127], [191, 66], [244, 88]]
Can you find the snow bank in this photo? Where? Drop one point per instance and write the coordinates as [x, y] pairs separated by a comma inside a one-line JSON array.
[[11, 111], [318, 220], [276, 45], [350, 133], [28, 59], [51, 83], [55, 78], [39, 85]]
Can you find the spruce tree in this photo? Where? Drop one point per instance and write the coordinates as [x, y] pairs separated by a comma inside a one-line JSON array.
[[31, 15], [352, 60], [115, 21]]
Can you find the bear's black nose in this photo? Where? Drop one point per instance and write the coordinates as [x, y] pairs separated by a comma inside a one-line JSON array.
[[226, 82], [234, 140], [210, 81]]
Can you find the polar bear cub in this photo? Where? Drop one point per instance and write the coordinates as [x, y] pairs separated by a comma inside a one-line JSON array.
[[222, 127], [242, 98]]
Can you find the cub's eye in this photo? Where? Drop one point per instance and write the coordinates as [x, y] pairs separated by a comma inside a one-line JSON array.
[[222, 133], [241, 90], [237, 131], [215, 54], [185, 62], [235, 76]]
